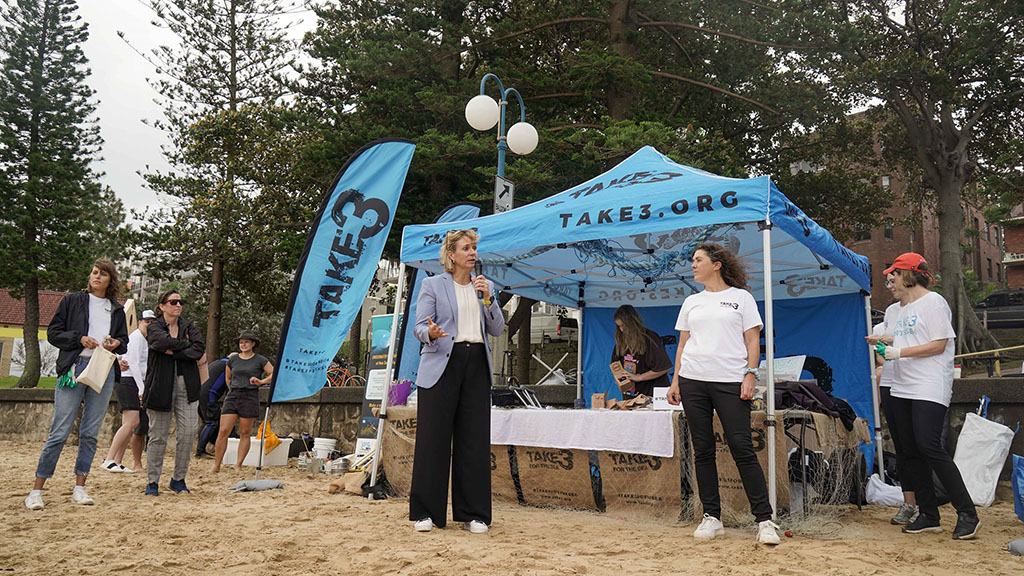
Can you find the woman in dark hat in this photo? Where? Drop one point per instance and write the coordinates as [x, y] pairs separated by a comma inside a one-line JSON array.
[[244, 375]]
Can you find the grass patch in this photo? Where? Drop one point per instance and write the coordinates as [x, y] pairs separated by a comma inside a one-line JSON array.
[[44, 382]]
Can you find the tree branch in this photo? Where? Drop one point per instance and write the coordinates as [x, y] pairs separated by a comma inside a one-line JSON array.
[[540, 26], [713, 88], [670, 35], [725, 35]]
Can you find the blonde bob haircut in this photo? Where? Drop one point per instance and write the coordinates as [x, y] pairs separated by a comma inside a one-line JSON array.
[[448, 246]]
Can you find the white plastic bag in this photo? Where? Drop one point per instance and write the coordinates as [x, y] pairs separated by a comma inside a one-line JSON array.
[[980, 454], [879, 493], [95, 374]]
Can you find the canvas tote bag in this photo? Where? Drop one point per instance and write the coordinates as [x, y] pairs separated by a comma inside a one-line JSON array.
[[95, 374]]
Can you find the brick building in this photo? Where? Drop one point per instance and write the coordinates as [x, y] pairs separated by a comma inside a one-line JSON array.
[[883, 244], [12, 322], [1013, 242]]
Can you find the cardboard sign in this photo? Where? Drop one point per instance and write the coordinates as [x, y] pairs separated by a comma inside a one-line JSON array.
[[641, 485], [555, 477]]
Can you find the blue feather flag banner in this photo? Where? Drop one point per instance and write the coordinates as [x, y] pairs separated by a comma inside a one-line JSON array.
[[337, 265]]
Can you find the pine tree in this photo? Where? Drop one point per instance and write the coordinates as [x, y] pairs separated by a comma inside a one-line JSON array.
[[55, 217], [220, 86]]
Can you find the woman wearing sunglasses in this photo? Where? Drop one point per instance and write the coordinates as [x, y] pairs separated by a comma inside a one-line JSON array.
[[172, 385]]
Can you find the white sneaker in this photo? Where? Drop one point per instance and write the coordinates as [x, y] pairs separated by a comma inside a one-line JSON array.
[[80, 497], [424, 525], [34, 502], [709, 528], [766, 533], [127, 470], [476, 527], [111, 466]]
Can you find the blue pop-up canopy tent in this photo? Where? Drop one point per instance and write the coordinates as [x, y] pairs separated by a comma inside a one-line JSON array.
[[627, 237]]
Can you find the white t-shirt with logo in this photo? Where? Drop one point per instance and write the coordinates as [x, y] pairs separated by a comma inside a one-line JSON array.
[[892, 315], [99, 321], [922, 321], [716, 350]]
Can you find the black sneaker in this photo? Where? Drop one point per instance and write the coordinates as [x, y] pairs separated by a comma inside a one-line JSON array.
[[923, 524], [967, 525]]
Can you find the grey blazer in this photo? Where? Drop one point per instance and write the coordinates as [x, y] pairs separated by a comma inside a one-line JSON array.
[[437, 302]]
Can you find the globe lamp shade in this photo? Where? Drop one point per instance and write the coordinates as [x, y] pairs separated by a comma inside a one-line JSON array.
[[482, 112], [522, 138]]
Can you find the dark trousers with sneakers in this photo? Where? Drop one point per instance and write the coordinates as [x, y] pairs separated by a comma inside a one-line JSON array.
[[453, 431], [700, 401], [919, 424], [906, 478]]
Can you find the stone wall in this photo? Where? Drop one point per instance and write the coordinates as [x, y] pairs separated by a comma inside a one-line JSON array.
[[26, 415]]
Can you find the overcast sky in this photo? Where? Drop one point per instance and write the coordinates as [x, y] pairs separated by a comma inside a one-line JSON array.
[[125, 98]]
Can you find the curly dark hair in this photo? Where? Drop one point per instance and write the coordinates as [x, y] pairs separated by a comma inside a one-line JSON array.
[[732, 270], [114, 287]]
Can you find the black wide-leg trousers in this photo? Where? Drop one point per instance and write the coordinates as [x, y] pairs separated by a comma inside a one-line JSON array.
[[453, 432]]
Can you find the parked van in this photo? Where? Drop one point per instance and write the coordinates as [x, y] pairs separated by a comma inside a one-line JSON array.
[[551, 323]]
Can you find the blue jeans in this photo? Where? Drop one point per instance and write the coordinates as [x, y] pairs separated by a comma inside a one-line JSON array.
[[65, 409]]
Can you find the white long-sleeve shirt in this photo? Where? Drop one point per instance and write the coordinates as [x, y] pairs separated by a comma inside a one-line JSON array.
[[136, 357]]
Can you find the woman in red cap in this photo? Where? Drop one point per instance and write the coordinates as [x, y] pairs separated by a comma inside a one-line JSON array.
[[922, 350]]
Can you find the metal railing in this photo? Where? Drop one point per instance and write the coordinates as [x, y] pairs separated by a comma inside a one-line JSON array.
[[989, 355]]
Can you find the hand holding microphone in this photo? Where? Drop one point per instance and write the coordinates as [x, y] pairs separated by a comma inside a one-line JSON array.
[[483, 291]]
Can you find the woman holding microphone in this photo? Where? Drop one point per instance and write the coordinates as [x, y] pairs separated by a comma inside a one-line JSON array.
[[455, 312], [716, 369]]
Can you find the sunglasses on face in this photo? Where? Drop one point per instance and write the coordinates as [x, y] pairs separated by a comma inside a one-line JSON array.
[[175, 302], [890, 283]]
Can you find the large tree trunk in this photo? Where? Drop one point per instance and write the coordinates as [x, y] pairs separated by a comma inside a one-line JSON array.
[[213, 314], [622, 29], [30, 375], [971, 335]]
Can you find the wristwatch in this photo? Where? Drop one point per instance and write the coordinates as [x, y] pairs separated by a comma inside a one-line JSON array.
[[751, 371]]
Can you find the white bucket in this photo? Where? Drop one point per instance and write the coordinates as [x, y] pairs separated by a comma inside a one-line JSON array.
[[322, 447]]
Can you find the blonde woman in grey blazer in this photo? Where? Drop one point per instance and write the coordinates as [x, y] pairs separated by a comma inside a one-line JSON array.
[[455, 313]]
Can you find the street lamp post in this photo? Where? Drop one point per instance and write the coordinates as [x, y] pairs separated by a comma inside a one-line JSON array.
[[482, 113]]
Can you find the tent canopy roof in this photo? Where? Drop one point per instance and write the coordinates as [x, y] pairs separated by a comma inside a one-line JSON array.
[[628, 235]]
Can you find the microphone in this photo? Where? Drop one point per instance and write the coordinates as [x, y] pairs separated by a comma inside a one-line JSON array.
[[478, 269]]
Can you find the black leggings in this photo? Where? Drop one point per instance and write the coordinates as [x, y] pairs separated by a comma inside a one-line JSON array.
[[700, 401], [906, 478], [920, 424], [453, 432]]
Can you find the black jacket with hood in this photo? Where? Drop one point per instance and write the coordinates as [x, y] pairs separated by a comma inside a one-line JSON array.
[[71, 321], [188, 347]]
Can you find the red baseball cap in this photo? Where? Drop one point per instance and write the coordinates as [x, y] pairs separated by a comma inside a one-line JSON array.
[[907, 261]]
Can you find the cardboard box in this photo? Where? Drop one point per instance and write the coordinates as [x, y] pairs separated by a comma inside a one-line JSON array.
[[597, 401], [621, 376]]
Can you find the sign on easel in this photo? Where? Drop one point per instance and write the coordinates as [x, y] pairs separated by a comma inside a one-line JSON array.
[[376, 382]]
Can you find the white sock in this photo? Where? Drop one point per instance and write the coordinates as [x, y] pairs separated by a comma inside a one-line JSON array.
[[79, 488], [35, 493]]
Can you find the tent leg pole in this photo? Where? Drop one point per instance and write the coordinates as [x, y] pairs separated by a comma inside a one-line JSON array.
[[874, 393], [375, 463], [579, 356], [769, 350], [263, 443]]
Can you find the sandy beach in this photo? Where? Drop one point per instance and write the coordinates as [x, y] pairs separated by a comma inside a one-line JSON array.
[[304, 530]]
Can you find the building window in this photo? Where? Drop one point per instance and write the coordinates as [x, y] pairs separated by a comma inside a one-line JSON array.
[[862, 233], [885, 181], [989, 268], [988, 232], [888, 228]]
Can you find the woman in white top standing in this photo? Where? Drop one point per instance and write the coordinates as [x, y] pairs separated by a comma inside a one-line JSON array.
[[908, 511], [134, 423], [717, 356], [922, 387]]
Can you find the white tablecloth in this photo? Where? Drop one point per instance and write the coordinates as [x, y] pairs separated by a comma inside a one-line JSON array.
[[631, 431]]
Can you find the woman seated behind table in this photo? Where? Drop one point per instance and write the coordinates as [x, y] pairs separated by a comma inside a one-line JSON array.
[[641, 352]]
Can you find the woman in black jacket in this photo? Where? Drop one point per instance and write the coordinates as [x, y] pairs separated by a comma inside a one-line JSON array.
[[172, 383], [83, 322]]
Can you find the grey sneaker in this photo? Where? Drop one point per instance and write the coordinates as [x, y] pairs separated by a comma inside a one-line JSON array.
[[905, 515]]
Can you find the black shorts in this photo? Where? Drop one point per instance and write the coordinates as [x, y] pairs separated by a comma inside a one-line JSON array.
[[245, 402], [127, 394]]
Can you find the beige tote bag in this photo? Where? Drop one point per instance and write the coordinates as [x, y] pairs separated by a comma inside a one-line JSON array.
[[95, 374]]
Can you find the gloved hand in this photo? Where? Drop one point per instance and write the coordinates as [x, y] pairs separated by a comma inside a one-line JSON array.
[[887, 352]]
